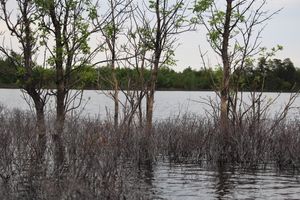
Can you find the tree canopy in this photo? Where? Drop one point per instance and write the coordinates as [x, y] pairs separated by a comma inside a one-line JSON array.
[[278, 75]]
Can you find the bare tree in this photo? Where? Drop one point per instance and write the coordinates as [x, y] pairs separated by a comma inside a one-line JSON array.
[[111, 26], [136, 88], [22, 27], [166, 20]]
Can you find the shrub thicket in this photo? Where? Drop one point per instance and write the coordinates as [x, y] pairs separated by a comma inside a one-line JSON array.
[[102, 161]]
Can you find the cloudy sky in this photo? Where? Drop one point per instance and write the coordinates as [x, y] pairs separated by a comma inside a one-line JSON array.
[[282, 29]]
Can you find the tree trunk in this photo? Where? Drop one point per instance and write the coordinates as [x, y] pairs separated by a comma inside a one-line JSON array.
[[115, 79], [30, 85], [61, 88], [39, 105], [224, 121], [115, 97], [150, 95], [140, 113], [60, 120], [157, 54], [41, 128], [149, 110]]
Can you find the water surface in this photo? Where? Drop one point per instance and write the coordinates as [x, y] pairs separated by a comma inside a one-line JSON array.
[[164, 180], [191, 181], [167, 103]]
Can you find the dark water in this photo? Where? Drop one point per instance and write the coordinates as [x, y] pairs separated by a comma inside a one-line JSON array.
[[190, 181]]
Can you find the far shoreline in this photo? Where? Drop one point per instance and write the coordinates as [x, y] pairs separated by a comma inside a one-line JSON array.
[[158, 90]]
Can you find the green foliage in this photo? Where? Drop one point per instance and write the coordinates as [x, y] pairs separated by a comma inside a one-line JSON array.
[[237, 15], [44, 5], [217, 18], [265, 53], [167, 78], [274, 75], [152, 4], [7, 73], [214, 36], [84, 77], [73, 18], [111, 30], [202, 5], [40, 77]]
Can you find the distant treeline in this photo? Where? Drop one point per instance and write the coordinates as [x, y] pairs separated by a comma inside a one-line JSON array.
[[271, 75]]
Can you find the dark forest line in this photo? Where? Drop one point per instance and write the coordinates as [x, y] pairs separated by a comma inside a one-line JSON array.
[[273, 75]]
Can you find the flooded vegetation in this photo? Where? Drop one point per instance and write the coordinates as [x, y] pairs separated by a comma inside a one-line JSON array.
[[241, 148], [182, 157]]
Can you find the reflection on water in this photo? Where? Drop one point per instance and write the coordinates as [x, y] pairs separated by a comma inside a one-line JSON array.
[[190, 181]]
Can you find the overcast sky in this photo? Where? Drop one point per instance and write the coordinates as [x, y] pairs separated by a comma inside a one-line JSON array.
[[282, 29]]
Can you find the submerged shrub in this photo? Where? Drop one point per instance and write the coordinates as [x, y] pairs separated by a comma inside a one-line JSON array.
[[101, 161]]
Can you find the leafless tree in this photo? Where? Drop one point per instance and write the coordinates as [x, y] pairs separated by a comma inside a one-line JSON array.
[[137, 54], [158, 30], [111, 26]]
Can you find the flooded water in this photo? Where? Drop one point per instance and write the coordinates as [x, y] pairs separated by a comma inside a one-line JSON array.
[[164, 180], [167, 103], [190, 181]]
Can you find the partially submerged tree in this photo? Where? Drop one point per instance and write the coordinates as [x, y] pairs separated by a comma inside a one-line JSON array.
[[151, 36], [159, 32], [137, 52], [233, 30], [111, 26], [22, 27], [67, 25]]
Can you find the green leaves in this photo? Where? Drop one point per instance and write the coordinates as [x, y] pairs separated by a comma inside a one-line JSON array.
[[214, 36], [152, 4], [44, 5], [110, 30], [265, 53], [85, 76], [92, 13], [202, 5], [147, 38], [237, 16], [217, 19]]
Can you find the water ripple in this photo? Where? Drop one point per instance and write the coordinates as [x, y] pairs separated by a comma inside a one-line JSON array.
[[190, 181]]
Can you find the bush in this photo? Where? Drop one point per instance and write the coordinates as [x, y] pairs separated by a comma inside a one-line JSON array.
[[102, 162]]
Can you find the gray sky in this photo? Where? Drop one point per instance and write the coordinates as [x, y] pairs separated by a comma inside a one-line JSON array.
[[282, 29]]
